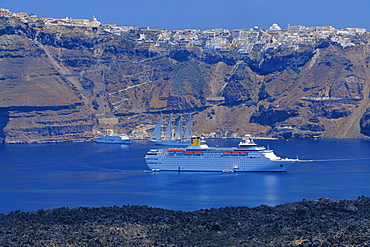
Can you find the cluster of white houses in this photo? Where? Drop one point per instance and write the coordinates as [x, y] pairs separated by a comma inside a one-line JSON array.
[[240, 40], [50, 21]]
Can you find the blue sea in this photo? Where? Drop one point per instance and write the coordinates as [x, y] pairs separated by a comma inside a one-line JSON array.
[[46, 176]]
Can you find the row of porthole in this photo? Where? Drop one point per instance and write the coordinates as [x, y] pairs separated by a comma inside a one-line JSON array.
[[209, 165], [187, 156], [213, 161]]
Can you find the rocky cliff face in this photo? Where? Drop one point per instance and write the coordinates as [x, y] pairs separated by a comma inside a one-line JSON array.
[[58, 83]]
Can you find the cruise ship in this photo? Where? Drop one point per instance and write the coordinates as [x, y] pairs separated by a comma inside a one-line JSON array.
[[246, 157]]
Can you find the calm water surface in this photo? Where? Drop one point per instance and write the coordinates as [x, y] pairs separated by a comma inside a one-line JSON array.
[[48, 176]]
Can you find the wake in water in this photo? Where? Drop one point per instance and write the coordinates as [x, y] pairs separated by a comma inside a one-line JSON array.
[[324, 160], [107, 169]]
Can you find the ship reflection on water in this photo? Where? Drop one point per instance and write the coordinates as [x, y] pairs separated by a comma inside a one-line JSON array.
[[270, 183]]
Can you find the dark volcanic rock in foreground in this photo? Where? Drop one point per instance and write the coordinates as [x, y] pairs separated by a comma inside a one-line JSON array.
[[323, 222]]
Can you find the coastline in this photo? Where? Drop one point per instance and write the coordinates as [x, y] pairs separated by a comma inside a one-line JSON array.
[[208, 138]]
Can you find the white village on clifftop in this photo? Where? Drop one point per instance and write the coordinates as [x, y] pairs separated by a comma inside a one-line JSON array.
[[242, 41]]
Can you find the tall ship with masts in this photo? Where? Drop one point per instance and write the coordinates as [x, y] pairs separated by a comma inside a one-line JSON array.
[[171, 138]]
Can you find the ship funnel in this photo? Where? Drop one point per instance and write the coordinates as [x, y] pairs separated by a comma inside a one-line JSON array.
[[195, 141]]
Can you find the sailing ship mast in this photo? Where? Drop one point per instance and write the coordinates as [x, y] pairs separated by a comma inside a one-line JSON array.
[[188, 130], [157, 133], [168, 135], [178, 131]]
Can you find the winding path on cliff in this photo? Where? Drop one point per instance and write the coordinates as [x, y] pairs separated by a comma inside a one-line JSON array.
[[350, 128], [64, 71]]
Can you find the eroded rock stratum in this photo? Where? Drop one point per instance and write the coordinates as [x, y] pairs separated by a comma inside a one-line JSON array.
[[64, 83]]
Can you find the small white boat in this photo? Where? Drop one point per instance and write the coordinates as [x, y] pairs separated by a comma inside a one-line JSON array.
[[111, 137]]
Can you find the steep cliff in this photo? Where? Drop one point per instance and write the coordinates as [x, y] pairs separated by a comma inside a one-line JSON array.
[[61, 84]]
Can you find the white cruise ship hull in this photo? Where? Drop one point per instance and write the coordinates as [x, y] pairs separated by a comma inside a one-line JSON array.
[[221, 164]]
